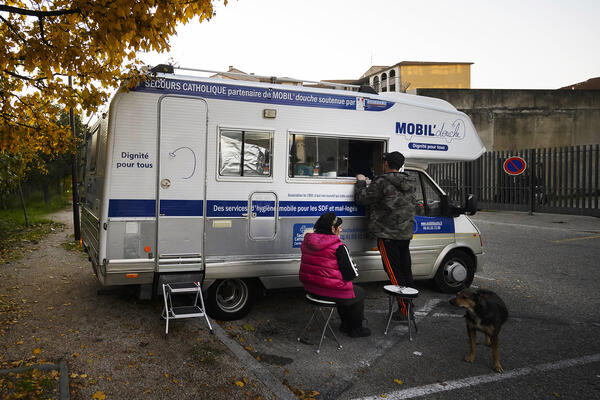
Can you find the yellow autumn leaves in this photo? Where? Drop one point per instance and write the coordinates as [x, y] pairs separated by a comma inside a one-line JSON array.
[[93, 42]]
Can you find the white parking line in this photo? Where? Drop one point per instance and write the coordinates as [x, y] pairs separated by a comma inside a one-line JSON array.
[[430, 305], [482, 379], [438, 314], [484, 277]]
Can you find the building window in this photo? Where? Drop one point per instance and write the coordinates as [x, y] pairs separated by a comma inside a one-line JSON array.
[[317, 156], [245, 153], [376, 83]]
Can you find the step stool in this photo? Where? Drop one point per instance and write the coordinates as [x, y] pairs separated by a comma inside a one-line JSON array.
[[407, 294], [195, 310], [317, 306]]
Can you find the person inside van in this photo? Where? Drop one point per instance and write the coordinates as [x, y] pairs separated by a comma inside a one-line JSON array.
[[327, 271]]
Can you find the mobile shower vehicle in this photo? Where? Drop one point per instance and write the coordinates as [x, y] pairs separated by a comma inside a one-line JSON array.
[[191, 179]]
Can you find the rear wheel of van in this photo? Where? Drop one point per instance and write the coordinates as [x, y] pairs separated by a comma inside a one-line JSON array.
[[230, 299], [455, 273]]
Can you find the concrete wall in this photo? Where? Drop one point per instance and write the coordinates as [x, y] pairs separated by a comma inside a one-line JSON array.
[[519, 119]]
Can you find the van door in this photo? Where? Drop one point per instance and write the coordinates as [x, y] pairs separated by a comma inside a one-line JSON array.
[[181, 170], [262, 216], [433, 231]]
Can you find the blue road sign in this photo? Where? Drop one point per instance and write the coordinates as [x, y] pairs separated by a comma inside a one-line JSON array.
[[514, 166]]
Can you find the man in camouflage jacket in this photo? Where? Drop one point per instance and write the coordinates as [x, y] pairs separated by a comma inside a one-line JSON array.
[[391, 211]]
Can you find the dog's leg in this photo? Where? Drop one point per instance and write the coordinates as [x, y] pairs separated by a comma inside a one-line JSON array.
[[472, 341], [488, 341], [497, 366]]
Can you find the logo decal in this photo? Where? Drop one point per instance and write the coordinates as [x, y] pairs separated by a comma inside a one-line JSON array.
[[449, 132]]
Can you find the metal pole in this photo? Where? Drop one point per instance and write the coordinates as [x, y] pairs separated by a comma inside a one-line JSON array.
[[76, 224], [532, 180]]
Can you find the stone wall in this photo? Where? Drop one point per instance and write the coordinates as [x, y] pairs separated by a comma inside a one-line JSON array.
[[508, 119]]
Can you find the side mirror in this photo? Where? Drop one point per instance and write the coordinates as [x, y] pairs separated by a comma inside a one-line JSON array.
[[471, 205], [448, 208]]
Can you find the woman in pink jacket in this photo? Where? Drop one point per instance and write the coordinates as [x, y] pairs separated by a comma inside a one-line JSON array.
[[327, 271]]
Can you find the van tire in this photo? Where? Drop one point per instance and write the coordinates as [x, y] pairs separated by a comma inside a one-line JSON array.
[[230, 299], [456, 263]]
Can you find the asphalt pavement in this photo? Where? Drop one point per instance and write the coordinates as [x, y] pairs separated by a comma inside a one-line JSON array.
[[544, 266]]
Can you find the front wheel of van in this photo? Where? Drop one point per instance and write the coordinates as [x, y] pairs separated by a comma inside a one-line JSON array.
[[455, 273], [230, 299]]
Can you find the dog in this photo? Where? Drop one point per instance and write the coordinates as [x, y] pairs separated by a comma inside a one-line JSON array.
[[486, 312]]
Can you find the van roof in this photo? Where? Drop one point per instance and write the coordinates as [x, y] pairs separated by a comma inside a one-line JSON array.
[[425, 129]]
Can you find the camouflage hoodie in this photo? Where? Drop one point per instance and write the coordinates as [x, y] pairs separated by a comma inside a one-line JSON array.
[[391, 205]]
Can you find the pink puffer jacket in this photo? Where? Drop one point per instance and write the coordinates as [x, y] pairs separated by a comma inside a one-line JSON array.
[[319, 271]]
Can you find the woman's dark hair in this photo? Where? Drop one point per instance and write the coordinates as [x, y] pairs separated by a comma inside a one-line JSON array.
[[326, 221]]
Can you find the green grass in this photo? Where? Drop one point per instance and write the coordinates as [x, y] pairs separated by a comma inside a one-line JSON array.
[[14, 235], [30, 384]]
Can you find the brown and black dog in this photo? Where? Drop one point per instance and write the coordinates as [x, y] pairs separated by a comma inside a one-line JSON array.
[[486, 312]]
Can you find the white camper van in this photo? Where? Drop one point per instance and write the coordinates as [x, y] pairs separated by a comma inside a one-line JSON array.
[[190, 178]]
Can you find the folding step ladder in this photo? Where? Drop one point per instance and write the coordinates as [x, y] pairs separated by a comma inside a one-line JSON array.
[[195, 310]]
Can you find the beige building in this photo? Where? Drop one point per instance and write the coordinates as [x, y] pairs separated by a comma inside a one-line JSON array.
[[411, 75], [401, 77]]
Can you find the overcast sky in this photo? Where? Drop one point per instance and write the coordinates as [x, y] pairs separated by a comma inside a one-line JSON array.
[[529, 44]]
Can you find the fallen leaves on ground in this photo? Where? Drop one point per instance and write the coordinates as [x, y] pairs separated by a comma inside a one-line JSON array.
[[30, 384], [99, 395], [299, 393]]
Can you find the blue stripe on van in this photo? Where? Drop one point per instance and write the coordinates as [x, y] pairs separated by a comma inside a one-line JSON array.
[[226, 208], [147, 208], [268, 95], [181, 208], [235, 208], [131, 208], [316, 208]]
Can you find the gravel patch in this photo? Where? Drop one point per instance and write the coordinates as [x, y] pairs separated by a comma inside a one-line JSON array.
[[52, 308]]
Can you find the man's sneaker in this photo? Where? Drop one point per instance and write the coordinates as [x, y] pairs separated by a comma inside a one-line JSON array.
[[345, 328], [360, 332]]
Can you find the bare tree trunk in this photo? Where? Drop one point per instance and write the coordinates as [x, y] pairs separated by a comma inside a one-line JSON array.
[[74, 179], [23, 204]]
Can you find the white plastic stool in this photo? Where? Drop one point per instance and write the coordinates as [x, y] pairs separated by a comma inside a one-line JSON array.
[[405, 293], [317, 306]]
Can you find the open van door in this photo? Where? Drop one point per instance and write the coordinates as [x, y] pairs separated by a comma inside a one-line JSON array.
[[181, 184]]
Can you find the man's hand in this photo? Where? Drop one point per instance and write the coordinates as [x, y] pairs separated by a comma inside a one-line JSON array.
[[361, 177]]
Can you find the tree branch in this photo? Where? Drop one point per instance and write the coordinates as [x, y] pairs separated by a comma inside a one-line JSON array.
[[12, 120], [12, 28], [42, 36], [35, 13], [25, 78]]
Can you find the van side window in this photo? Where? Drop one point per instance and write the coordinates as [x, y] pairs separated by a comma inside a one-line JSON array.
[[93, 150], [420, 206], [333, 157], [245, 153], [428, 196]]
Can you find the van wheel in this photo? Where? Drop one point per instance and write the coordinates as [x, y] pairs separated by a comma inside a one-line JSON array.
[[230, 299], [455, 273]]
